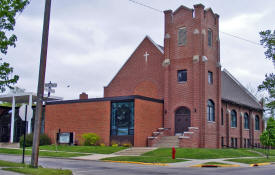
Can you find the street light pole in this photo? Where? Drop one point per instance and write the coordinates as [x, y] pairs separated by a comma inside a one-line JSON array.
[[40, 88]]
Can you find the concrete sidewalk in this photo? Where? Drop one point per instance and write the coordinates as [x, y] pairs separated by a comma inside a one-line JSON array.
[[189, 163]]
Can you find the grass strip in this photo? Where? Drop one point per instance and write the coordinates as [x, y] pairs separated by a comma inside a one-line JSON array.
[[252, 161], [83, 149], [202, 153], [41, 153], [26, 169], [39, 171], [144, 159], [10, 164]]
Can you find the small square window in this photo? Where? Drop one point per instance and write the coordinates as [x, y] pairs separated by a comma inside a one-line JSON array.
[[210, 37], [182, 75], [210, 77]]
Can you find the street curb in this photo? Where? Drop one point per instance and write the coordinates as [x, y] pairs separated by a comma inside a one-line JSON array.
[[141, 163], [214, 166], [259, 164]]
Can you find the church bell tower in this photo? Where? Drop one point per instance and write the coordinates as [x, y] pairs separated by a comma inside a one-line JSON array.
[[192, 76]]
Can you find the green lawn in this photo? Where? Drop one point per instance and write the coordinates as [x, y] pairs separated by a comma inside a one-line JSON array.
[[272, 151], [39, 171], [145, 159], [26, 169], [84, 149], [41, 153], [10, 164], [252, 161], [202, 153]]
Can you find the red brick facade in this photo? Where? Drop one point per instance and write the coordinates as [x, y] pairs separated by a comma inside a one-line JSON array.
[[152, 71], [80, 118], [84, 116]]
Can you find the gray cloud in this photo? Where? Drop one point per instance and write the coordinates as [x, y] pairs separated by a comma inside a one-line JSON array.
[[91, 39]]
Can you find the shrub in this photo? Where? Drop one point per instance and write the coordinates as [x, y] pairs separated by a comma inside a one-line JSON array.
[[127, 145], [114, 145], [102, 144], [90, 139], [28, 141], [44, 140]]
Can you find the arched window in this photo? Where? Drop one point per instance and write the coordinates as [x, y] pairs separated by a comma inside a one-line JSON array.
[[233, 118], [257, 123], [246, 121], [210, 110]]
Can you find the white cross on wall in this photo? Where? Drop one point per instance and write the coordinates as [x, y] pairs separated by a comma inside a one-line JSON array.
[[146, 56]]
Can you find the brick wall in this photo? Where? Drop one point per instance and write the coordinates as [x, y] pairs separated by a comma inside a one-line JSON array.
[[148, 118], [194, 93], [240, 132], [138, 77], [90, 117]]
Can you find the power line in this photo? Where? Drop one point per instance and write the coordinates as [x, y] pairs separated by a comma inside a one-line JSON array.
[[241, 38], [228, 34], [144, 5]]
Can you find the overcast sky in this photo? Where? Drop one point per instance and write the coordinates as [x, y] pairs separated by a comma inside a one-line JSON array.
[[90, 40]]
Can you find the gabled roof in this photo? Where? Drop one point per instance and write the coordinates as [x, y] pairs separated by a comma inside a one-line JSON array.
[[233, 91], [160, 48]]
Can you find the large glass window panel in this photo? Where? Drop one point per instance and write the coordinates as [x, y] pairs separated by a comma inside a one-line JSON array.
[[122, 119]]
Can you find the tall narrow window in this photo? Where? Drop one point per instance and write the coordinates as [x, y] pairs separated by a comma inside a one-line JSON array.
[[210, 37], [222, 142], [233, 119], [232, 142], [246, 121], [236, 143], [182, 36], [210, 77], [222, 116], [210, 110], [244, 143], [182, 75], [257, 123]]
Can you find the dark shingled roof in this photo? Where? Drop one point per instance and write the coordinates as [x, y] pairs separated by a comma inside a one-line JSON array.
[[233, 91]]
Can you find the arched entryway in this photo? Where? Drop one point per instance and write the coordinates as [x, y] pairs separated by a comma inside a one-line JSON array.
[[182, 120]]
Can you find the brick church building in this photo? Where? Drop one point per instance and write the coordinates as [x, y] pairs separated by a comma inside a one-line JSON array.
[[175, 95]]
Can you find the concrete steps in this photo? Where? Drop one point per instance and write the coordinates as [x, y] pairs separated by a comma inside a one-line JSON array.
[[135, 151], [168, 142]]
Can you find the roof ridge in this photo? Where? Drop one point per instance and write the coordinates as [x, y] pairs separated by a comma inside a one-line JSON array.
[[149, 38], [157, 46], [241, 86]]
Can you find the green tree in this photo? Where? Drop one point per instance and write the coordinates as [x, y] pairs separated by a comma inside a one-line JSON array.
[[268, 41], [267, 138], [8, 11]]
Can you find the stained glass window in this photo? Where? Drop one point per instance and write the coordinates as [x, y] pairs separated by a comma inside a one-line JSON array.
[[122, 118]]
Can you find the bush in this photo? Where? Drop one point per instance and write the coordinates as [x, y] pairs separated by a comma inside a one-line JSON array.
[[102, 144], [28, 141], [90, 139], [44, 140]]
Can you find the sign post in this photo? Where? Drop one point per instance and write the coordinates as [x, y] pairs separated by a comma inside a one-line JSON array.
[[23, 115], [49, 86]]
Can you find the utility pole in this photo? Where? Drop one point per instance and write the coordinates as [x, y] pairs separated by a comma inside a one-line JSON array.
[[40, 88]]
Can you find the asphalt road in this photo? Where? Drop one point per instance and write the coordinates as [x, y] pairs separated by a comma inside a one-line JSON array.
[[80, 167]]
